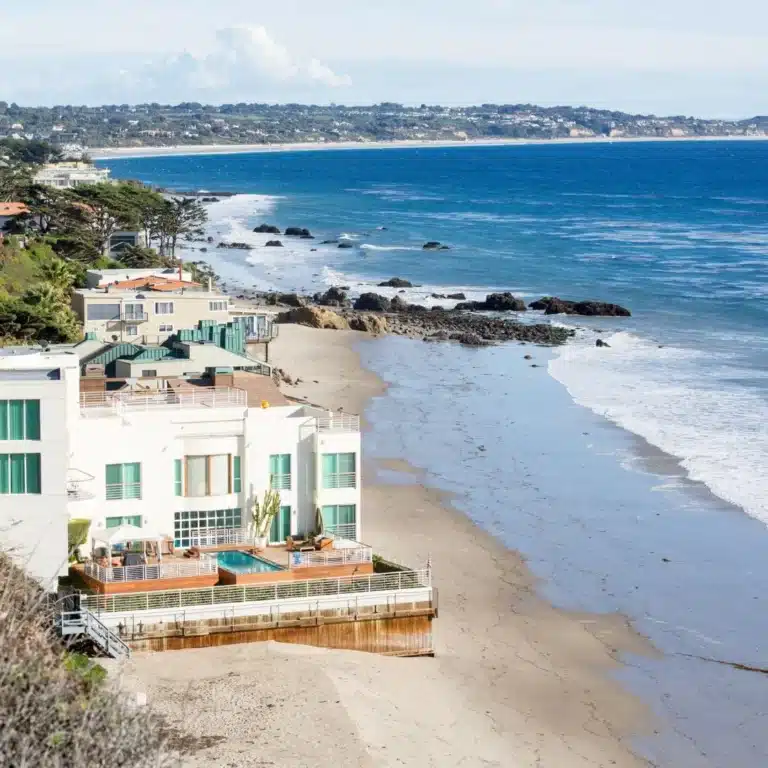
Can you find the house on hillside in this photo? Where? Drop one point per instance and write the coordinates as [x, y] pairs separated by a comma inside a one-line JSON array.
[[71, 174], [9, 213]]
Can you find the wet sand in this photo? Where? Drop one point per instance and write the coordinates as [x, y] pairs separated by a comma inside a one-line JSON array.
[[515, 682]]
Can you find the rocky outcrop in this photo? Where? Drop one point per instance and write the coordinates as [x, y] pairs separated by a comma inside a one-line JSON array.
[[374, 324], [237, 246], [291, 299], [455, 296], [494, 302], [297, 232], [372, 302], [601, 343], [333, 297], [274, 244], [314, 317], [396, 282], [345, 244], [267, 229], [470, 339], [398, 304], [552, 305], [434, 245]]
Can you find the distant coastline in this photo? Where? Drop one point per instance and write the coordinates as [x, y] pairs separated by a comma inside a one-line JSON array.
[[116, 153]]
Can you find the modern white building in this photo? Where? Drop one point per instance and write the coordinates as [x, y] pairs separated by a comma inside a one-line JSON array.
[[71, 174], [184, 458], [39, 414]]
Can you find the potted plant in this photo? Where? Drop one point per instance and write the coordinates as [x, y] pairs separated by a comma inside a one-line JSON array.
[[262, 515]]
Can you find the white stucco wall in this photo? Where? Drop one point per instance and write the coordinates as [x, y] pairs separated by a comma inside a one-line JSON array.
[[33, 527]]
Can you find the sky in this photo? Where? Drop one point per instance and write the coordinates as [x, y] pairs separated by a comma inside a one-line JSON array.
[[699, 57]]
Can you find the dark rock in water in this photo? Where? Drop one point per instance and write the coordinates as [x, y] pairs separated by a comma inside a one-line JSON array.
[[470, 339], [434, 245], [494, 302], [312, 250], [291, 300], [601, 343], [528, 357], [298, 232], [344, 288], [372, 302], [534, 366], [267, 229], [209, 239], [274, 244], [328, 242], [237, 246], [397, 304], [307, 237], [396, 282], [458, 296], [504, 302], [552, 305], [345, 244], [438, 296], [438, 336], [203, 250], [381, 229], [333, 297]]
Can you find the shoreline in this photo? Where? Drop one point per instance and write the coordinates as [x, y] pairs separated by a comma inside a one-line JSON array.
[[117, 153], [514, 680]]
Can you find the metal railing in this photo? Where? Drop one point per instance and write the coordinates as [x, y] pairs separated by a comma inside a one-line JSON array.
[[76, 493], [340, 480], [168, 570], [117, 491], [342, 531], [280, 482], [213, 537], [191, 397], [135, 317], [329, 557], [248, 593], [339, 422]]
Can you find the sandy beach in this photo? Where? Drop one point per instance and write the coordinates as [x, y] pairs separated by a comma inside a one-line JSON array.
[[115, 153], [514, 681]]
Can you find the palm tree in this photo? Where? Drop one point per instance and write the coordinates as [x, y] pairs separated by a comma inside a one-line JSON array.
[[46, 298], [58, 274]]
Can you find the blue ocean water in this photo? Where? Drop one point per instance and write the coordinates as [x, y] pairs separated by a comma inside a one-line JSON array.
[[678, 232]]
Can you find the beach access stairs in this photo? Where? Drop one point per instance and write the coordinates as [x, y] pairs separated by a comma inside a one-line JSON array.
[[83, 623]]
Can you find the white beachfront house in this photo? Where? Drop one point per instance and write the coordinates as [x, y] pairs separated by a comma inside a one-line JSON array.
[[185, 458], [68, 175]]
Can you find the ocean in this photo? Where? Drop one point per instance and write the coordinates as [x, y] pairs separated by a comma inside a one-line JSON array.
[[631, 477]]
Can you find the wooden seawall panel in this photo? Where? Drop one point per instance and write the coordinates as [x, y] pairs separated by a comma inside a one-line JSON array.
[[403, 636]]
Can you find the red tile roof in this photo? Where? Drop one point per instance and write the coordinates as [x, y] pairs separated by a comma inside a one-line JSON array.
[[13, 209]]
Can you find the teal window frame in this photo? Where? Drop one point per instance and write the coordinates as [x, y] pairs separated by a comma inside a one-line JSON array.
[[19, 419], [187, 524], [20, 474], [280, 529], [178, 477], [280, 472], [237, 482], [123, 481], [339, 470], [115, 521], [337, 519]]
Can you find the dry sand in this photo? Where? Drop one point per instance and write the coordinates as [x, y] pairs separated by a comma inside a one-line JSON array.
[[115, 153], [514, 683]]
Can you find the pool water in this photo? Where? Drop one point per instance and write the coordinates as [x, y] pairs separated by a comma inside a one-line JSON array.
[[243, 562]]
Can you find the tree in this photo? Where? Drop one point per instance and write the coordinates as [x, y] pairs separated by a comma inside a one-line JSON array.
[[105, 209], [180, 216], [136, 257]]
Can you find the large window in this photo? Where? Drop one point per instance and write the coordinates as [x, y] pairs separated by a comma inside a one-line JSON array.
[[133, 311], [123, 481], [19, 419], [280, 471], [281, 526], [19, 473], [341, 520], [339, 470], [210, 475], [116, 522], [103, 312], [163, 307], [208, 528], [217, 306]]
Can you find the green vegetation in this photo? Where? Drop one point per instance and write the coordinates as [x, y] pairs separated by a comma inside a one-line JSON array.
[[77, 534], [56, 710], [192, 123], [45, 253]]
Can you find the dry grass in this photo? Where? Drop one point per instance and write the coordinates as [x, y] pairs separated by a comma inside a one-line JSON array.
[[55, 713]]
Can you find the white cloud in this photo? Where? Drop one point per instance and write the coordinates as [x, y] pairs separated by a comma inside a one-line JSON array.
[[244, 60]]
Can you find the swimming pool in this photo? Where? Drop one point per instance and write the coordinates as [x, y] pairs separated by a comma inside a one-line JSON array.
[[244, 562]]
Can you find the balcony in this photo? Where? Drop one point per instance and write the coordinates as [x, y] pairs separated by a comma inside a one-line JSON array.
[[207, 565], [339, 422], [340, 480], [123, 403], [342, 553]]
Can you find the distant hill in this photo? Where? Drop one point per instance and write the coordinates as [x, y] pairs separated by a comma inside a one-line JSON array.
[[191, 123]]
